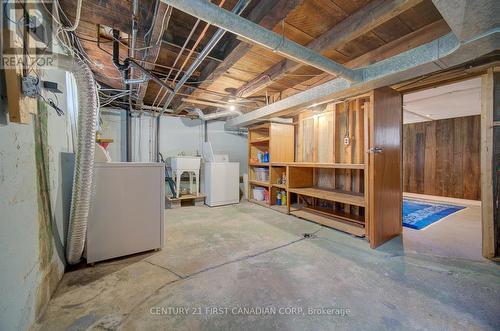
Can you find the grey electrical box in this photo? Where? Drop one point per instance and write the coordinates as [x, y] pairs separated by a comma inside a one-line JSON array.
[[30, 86]]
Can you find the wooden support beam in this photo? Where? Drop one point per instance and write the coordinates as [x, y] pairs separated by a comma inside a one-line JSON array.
[[364, 20], [267, 14], [211, 103], [116, 14], [20, 106], [489, 110], [414, 39], [150, 55]]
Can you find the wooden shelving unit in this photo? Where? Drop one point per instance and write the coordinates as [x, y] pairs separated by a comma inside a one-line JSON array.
[[354, 199], [262, 140], [278, 141], [359, 166], [331, 222], [259, 183], [327, 167]]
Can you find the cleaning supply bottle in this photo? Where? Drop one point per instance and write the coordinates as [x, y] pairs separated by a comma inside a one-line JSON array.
[[278, 198], [283, 198], [266, 156], [266, 196]]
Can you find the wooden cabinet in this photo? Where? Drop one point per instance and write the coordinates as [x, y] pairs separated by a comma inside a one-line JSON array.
[[346, 173]]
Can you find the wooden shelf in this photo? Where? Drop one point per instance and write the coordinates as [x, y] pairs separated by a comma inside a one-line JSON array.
[[256, 182], [359, 166], [260, 140], [262, 203], [357, 219], [282, 186], [281, 209], [331, 222], [342, 197], [259, 164]]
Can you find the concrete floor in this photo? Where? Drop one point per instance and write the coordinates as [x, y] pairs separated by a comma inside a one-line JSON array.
[[246, 256], [457, 235]]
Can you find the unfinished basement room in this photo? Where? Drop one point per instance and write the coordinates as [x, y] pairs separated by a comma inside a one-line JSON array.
[[250, 165]]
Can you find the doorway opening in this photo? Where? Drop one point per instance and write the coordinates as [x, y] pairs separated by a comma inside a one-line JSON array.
[[441, 170]]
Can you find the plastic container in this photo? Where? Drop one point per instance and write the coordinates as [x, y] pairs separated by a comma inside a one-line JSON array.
[[262, 174], [266, 196], [258, 193]]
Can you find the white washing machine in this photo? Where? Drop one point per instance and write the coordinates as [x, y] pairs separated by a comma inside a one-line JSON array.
[[221, 178]]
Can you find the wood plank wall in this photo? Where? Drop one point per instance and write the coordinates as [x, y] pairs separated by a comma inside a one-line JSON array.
[[443, 158]]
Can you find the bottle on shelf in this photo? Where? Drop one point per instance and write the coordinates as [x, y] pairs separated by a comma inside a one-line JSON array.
[[260, 157], [266, 196], [266, 156], [278, 198], [283, 198]]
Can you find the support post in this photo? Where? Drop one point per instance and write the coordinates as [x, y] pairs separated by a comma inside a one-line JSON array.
[[490, 163]]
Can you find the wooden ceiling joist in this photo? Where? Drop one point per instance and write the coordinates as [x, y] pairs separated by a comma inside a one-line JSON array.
[[361, 22], [417, 38], [266, 14], [116, 14], [151, 55]]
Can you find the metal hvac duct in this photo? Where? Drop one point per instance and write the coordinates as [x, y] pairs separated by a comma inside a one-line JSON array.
[[475, 29], [253, 32], [217, 115], [238, 9], [84, 159]]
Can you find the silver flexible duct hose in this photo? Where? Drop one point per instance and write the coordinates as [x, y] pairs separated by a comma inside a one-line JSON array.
[[213, 116], [84, 160]]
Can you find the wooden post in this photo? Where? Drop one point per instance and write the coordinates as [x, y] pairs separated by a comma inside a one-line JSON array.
[[489, 106], [20, 107]]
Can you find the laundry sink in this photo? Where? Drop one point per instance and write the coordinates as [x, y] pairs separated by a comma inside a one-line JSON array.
[[185, 163]]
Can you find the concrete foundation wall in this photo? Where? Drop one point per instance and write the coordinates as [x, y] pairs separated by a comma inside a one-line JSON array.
[[35, 171]]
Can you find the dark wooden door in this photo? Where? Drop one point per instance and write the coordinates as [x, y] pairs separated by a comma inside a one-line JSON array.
[[385, 166]]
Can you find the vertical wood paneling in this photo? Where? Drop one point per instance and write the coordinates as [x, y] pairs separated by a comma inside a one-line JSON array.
[[442, 157]]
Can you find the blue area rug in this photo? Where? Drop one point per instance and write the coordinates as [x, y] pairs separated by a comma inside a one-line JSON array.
[[418, 214]]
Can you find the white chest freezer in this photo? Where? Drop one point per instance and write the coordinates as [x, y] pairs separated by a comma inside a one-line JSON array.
[[126, 211]]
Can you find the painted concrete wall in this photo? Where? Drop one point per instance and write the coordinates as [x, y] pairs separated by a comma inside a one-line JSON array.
[[224, 142], [35, 170], [184, 135], [177, 135]]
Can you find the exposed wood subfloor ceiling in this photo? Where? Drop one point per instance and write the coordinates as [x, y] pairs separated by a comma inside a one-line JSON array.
[[353, 33]]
